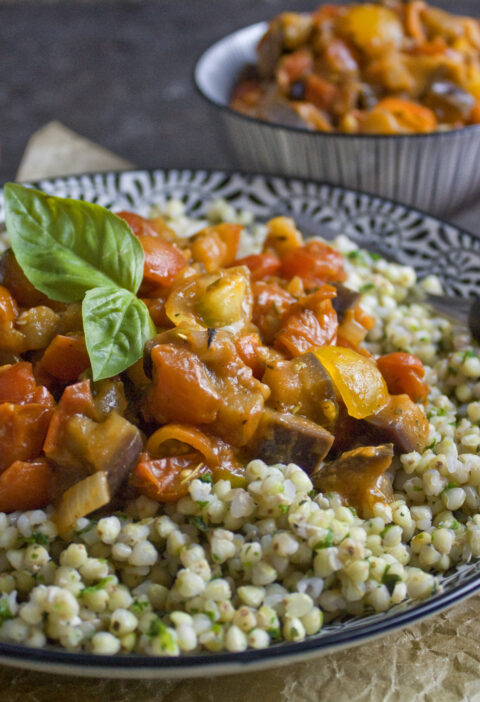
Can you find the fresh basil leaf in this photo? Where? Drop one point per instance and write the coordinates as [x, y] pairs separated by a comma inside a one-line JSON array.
[[66, 247], [117, 324]]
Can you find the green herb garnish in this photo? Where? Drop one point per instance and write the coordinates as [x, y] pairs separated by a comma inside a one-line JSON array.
[[76, 251], [38, 538], [200, 524], [326, 542], [5, 611], [390, 580], [206, 478]]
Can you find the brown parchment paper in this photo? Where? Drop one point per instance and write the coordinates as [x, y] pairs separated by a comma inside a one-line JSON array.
[[437, 660]]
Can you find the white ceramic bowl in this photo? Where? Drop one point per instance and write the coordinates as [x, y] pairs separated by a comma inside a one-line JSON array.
[[437, 172]]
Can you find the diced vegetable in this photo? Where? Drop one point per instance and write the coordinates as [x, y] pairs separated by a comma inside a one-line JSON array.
[[163, 260], [283, 236], [18, 386], [410, 116], [372, 28], [359, 477], [183, 434], [303, 387], [311, 322], [260, 265], [23, 430], [167, 479], [270, 302], [80, 444], [285, 438], [11, 339], [82, 498], [65, 358], [403, 374], [15, 280], [357, 379], [216, 246], [212, 300], [182, 390], [249, 349], [315, 262], [402, 422], [26, 485]]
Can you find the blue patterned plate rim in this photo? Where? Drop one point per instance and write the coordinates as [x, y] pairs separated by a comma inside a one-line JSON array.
[[138, 188], [300, 130]]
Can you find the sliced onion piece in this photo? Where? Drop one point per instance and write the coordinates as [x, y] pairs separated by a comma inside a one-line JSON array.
[[81, 499]]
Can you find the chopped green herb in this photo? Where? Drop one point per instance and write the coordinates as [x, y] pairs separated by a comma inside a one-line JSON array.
[[325, 542], [390, 580], [432, 445], [87, 528], [206, 478], [469, 354], [202, 503], [138, 606], [387, 528], [200, 524], [283, 508], [357, 256], [375, 256], [366, 287], [5, 611], [38, 538], [156, 627], [98, 586]]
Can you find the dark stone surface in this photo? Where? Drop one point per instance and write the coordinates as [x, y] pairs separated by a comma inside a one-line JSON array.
[[120, 73]]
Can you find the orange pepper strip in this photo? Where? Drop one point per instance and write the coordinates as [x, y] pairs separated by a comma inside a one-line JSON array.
[[413, 22], [26, 485], [410, 115], [186, 435], [167, 479]]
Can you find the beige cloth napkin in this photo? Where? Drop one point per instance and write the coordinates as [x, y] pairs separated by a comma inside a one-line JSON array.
[[437, 660]]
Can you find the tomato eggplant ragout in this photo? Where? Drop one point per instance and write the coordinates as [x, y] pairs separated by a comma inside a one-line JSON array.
[[257, 357], [201, 450], [391, 68]]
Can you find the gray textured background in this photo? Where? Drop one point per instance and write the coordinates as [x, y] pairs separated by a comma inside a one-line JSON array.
[[120, 73]]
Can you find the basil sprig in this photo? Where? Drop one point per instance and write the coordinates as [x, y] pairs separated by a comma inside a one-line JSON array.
[[117, 325], [78, 251]]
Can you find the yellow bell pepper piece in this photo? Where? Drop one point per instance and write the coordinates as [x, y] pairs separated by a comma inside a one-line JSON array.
[[357, 379], [372, 28]]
